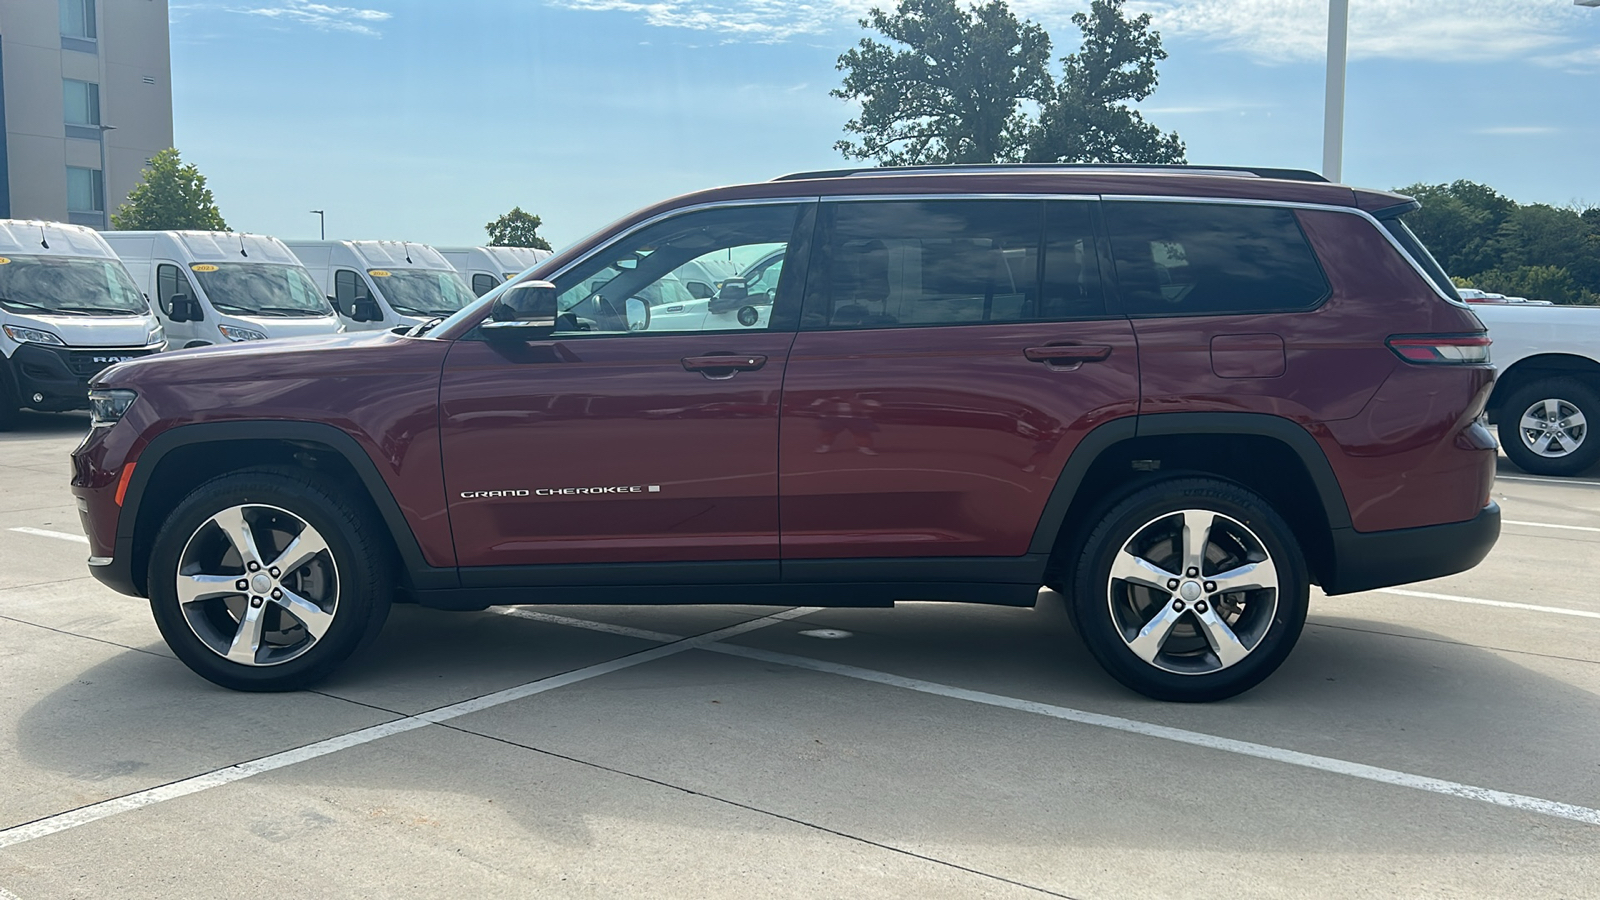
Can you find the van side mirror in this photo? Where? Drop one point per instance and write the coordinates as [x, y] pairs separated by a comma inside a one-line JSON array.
[[699, 290], [366, 310], [734, 293], [183, 309], [525, 312]]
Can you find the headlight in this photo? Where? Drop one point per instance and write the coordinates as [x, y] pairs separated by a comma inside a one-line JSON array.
[[33, 336], [235, 333], [156, 336], [107, 406]]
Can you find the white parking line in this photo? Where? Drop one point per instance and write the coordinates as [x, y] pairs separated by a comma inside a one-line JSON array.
[[1503, 604], [93, 813], [1537, 480], [7, 895], [1549, 525], [58, 535]]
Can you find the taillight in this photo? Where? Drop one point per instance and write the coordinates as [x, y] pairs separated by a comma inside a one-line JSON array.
[[1442, 349]]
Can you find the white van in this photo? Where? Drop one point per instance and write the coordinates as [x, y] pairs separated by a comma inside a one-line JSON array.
[[485, 268], [67, 310], [213, 287], [384, 284]]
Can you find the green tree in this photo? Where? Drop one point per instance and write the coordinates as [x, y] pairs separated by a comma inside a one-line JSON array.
[[1458, 223], [1534, 282], [169, 196], [954, 94], [516, 229], [1088, 118]]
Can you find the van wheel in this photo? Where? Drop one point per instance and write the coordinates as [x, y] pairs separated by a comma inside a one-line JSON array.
[[268, 580], [1544, 427], [1192, 589]]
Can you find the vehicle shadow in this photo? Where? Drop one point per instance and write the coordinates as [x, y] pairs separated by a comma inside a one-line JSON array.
[[32, 425]]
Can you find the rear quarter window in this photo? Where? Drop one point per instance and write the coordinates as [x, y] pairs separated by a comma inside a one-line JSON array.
[[1188, 259]]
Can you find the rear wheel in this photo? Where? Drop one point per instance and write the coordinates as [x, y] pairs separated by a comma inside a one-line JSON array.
[[267, 581], [1192, 589], [1544, 427]]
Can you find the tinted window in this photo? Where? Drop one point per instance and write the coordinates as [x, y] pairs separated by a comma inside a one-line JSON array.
[[1194, 259], [170, 282], [690, 273], [1414, 246], [952, 262], [483, 284]]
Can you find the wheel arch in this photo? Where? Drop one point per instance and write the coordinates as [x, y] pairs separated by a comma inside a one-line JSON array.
[[1269, 455], [178, 460], [1530, 369]]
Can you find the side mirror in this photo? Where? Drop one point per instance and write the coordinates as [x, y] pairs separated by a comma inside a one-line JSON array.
[[366, 310], [183, 309], [700, 290], [525, 312], [734, 293]]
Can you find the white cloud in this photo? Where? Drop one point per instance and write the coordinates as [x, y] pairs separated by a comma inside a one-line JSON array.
[[326, 17], [1517, 130], [1435, 30], [779, 20]]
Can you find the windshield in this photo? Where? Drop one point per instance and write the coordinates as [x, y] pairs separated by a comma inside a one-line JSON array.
[[422, 292], [66, 286], [255, 289]]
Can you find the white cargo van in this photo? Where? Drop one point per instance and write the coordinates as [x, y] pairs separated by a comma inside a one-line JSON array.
[[384, 284], [67, 310], [216, 287], [485, 268]]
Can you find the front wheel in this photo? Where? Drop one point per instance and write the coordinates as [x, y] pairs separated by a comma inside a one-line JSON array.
[[267, 581], [1544, 427], [1191, 589]]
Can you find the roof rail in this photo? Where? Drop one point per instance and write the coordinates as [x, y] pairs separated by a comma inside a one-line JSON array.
[[1087, 168]]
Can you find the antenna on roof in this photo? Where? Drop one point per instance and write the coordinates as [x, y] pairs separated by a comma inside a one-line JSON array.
[[406, 245], [43, 239], [241, 246]]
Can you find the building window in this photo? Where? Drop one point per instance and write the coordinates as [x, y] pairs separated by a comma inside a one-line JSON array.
[[86, 190], [82, 100], [77, 19]]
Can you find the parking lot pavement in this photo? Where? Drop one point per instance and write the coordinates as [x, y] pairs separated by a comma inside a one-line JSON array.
[[1442, 739]]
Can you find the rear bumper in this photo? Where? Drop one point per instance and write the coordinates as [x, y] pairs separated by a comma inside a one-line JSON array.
[[1376, 559]]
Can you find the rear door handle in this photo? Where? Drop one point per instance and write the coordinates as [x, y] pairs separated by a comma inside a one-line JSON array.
[[724, 365], [1067, 355]]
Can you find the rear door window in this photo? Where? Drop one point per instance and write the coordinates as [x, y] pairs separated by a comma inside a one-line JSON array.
[[900, 263], [1186, 259]]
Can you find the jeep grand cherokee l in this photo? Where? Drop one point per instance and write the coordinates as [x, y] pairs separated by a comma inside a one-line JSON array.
[[1179, 397]]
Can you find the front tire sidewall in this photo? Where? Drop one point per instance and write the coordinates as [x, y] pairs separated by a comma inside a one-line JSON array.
[[1091, 615], [364, 585], [1568, 390]]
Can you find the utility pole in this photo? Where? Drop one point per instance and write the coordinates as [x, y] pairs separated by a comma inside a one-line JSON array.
[[322, 221], [1333, 109]]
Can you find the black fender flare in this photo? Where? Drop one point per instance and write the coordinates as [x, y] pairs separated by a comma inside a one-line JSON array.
[[1102, 438], [422, 575]]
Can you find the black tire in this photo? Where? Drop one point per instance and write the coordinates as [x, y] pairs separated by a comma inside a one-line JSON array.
[[358, 563], [1567, 392], [1243, 527]]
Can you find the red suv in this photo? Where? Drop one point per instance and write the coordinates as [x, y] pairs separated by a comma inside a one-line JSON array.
[[1178, 396]]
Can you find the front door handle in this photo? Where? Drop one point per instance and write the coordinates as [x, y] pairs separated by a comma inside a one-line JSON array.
[[723, 365], [1067, 356]]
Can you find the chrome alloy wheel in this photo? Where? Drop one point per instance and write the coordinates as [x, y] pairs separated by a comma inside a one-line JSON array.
[[1553, 428], [257, 585], [1193, 592]]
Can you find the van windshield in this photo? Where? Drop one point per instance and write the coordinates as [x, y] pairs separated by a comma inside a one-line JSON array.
[[422, 292], [57, 285], [257, 289]]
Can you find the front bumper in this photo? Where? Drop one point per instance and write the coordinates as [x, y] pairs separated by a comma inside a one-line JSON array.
[[53, 379], [1378, 559]]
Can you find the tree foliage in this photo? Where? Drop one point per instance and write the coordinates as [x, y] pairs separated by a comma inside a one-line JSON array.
[[955, 95], [973, 85], [1493, 243], [169, 196], [516, 229], [1089, 118]]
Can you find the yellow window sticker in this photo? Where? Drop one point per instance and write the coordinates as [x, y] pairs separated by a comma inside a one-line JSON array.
[[378, 273], [4, 261], [203, 267]]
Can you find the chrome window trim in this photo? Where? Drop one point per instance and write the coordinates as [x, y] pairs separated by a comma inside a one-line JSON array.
[[1301, 204], [852, 198]]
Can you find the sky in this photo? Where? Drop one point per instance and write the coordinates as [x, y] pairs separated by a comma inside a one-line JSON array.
[[423, 120]]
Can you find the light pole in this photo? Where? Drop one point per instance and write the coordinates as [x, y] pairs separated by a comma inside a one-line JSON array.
[[322, 220], [105, 211], [1333, 108]]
